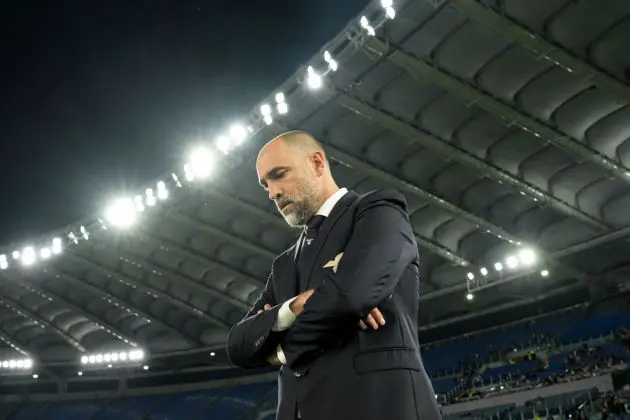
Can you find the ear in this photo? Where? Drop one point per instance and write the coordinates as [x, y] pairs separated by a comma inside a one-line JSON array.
[[319, 162]]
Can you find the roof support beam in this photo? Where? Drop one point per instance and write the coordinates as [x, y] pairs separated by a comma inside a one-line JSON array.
[[9, 341], [144, 287], [30, 285], [119, 302], [541, 47], [213, 231], [21, 310], [451, 151], [410, 188], [424, 70], [191, 282], [169, 245]]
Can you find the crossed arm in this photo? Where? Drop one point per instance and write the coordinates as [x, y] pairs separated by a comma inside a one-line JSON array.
[[292, 308]]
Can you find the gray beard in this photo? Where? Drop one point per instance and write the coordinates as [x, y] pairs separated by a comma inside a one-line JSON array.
[[299, 216]]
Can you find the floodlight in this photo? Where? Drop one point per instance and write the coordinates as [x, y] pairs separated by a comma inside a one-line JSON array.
[[511, 261], [483, 271], [544, 273], [470, 296], [28, 255], [238, 134], [265, 109], [162, 192], [57, 246], [313, 79], [498, 266], [282, 108], [122, 213], [470, 276], [527, 256], [280, 98], [387, 3], [45, 253], [390, 12], [202, 161]]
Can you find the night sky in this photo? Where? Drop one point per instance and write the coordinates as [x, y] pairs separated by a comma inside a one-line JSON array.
[[99, 97]]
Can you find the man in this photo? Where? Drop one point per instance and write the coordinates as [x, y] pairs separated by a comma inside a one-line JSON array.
[[339, 311]]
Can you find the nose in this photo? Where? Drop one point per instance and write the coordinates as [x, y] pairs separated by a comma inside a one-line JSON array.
[[274, 192]]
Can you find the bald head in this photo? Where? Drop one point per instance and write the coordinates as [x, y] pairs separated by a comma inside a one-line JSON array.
[[293, 168]]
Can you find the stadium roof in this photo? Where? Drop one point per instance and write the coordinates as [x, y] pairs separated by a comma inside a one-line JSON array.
[[505, 127]]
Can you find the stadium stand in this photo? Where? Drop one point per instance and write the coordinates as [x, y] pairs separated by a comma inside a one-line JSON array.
[[506, 129]]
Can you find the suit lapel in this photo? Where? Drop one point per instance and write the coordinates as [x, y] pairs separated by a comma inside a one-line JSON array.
[[287, 275], [318, 245]]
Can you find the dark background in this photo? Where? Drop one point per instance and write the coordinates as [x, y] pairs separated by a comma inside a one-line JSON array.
[[101, 97]]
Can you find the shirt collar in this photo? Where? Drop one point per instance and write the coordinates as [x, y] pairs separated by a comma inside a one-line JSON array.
[[330, 202]]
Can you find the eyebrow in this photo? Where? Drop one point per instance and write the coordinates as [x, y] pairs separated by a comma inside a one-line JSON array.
[[273, 173]]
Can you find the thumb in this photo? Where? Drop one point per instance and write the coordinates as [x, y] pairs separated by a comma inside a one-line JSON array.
[[267, 307]]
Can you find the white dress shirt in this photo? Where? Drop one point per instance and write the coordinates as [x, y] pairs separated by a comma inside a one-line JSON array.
[[286, 317]]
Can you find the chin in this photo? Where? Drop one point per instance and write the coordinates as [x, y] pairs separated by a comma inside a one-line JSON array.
[[292, 220]]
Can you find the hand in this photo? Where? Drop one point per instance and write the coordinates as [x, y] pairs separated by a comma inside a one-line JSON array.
[[265, 308], [297, 306], [374, 319], [273, 359]]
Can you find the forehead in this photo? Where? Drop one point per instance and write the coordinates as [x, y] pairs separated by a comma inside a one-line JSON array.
[[275, 154]]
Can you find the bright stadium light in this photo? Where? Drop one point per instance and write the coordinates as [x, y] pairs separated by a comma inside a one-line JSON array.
[[202, 160], [313, 79], [470, 276], [4, 262], [281, 104], [162, 191], [122, 213], [150, 197], [29, 256], [16, 364], [390, 12], [483, 271], [470, 296], [544, 273], [45, 253], [238, 134], [57, 246], [332, 64], [527, 256], [117, 358], [365, 24], [498, 266], [511, 262]]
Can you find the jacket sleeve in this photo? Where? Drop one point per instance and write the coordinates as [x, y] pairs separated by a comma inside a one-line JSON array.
[[251, 341], [381, 246]]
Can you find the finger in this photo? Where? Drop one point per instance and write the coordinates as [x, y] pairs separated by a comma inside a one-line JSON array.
[[267, 307], [362, 325], [260, 311], [378, 316], [371, 322]]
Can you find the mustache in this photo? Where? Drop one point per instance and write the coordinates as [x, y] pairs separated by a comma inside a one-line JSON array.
[[281, 202]]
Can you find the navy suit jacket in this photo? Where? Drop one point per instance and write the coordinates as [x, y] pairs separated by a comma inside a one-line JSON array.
[[335, 370]]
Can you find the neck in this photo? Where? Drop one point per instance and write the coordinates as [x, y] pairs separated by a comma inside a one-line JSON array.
[[329, 190]]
